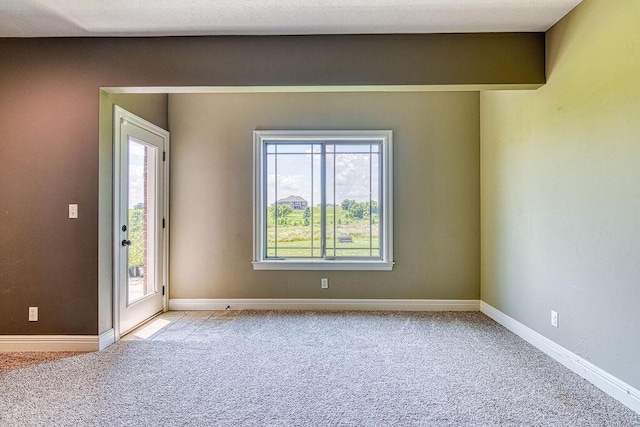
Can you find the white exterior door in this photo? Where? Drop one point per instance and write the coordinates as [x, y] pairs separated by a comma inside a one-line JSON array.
[[140, 220]]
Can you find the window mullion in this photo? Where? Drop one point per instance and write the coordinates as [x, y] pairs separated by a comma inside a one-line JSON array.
[[335, 167], [311, 207], [275, 205], [382, 171], [370, 201], [323, 200]]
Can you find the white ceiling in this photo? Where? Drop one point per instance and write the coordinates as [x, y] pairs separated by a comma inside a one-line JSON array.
[[52, 18]]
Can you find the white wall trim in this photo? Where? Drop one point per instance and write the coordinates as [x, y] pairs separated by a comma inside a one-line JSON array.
[[325, 304], [106, 338], [614, 387], [321, 89], [55, 342], [327, 265], [261, 139]]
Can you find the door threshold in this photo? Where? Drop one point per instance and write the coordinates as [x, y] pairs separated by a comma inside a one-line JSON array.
[[130, 335]]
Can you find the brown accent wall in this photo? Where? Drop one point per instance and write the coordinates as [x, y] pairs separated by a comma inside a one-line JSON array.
[[49, 132]]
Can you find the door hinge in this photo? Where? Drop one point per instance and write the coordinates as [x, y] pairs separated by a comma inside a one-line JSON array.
[[162, 222], [164, 156], [163, 290]]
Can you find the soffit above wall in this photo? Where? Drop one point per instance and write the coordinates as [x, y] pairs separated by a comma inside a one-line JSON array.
[[361, 62], [82, 18]]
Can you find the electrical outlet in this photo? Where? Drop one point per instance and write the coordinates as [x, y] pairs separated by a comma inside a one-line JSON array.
[[73, 211], [33, 314], [554, 318], [324, 283]]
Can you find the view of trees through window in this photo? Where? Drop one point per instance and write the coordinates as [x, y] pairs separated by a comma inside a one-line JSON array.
[[323, 200], [136, 235]]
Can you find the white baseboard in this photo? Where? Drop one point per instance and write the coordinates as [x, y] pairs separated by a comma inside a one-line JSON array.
[[106, 338], [325, 304], [82, 343], [614, 387]]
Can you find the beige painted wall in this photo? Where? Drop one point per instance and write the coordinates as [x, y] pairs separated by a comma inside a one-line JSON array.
[[436, 216], [561, 190]]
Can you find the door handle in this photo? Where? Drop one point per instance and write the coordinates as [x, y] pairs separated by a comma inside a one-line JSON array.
[[126, 243]]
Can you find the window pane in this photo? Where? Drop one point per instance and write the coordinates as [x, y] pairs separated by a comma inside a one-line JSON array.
[[142, 259], [359, 147], [353, 224], [293, 186], [289, 147]]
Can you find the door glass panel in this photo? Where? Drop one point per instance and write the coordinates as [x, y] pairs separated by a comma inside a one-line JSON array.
[[142, 255]]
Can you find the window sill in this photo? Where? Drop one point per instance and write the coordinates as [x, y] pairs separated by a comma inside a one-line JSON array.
[[336, 265]]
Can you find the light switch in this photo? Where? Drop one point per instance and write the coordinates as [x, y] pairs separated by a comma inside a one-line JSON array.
[[73, 211]]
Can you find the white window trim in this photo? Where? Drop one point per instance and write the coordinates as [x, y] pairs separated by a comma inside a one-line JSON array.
[[260, 262]]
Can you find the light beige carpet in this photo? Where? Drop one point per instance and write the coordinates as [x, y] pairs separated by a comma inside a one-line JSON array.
[[312, 369]]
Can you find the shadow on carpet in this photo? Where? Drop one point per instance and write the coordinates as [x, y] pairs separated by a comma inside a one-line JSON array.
[[16, 360]]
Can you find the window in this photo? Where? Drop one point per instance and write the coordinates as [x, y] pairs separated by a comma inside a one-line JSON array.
[[323, 200]]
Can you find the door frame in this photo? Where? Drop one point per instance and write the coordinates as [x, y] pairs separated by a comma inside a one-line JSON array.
[[120, 115]]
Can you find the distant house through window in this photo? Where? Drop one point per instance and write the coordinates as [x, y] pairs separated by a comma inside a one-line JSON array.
[[323, 200], [296, 202]]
